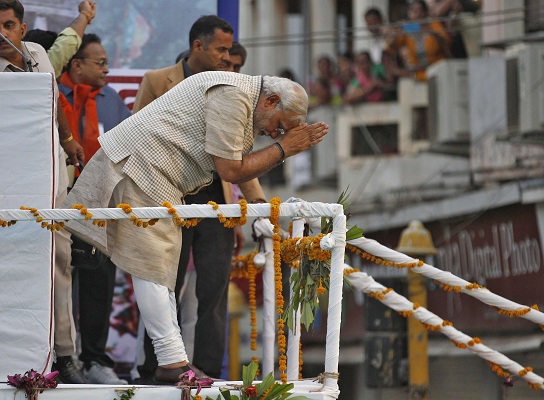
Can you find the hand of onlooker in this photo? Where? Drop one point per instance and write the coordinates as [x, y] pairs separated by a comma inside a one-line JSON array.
[[303, 137], [239, 240], [75, 152], [88, 8]]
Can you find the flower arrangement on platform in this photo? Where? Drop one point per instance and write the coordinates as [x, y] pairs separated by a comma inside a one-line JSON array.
[[268, 389], [189, 380], [33, 383], [312, 265]]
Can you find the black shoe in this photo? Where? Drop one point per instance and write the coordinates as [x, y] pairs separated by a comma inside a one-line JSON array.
[[164, 375], [68, 372]]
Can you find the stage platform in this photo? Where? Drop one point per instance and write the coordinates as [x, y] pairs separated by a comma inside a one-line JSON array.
[[307, 388]]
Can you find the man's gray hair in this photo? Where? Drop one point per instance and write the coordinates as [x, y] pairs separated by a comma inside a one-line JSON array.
[[294, 98]]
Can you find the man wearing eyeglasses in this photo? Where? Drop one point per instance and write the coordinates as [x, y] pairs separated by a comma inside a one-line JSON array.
[[211, 44], [91, 108]]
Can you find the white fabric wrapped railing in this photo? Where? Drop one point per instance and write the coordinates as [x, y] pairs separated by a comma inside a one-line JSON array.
[[445, 277], [263, 228], [292, 208], [366, 284]]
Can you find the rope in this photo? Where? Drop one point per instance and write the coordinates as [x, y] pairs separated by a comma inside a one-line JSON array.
[[321, 379]]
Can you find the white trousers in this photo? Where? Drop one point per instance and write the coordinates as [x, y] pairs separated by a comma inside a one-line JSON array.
[[158, 311]]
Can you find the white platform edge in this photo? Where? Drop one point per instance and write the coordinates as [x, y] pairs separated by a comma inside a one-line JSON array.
[[306, 388]]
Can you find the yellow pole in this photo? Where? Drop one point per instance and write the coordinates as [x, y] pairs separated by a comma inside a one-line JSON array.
[[416, 241], [237, 308], [234, 348], [417, 341]]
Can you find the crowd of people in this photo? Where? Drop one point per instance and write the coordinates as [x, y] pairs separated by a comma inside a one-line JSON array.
[[396, 50], [187, 140]]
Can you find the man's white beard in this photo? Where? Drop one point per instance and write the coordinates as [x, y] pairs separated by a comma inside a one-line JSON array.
[[261, 120]]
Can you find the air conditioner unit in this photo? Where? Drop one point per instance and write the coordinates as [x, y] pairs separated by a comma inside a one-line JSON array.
[[525, 88], [448, 101]]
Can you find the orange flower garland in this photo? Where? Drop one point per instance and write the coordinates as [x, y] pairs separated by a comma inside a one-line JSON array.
[[135, 220], [244, 267], [49, 226], [239, 266], [381, 261], [83, 211], [184, 223], [282, 340], [444, 286], [232, 222], [252, 294], [300, 360], [4, 224]]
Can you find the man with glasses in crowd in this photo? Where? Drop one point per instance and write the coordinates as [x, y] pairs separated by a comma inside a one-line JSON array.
[[92, 108]]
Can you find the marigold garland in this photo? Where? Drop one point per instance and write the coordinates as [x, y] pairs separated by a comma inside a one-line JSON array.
[[474, 285], [232, 222], [405, 314], [140, 223], [300, 359], [184, 223], [525, 371], [380, 261], [282, 340], [514, 313], [444, 286], [432, 328], [252, 293], [449, 288], [239, 265], [380, 295], [474, 341], [55, 226], [311, 277], [5, 224], [458, 344]]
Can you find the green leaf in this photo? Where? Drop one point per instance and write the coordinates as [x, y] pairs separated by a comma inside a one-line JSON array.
[[307, 315], [266, 383], [249, 372], [354, 233], [226, 394], [278, 390]]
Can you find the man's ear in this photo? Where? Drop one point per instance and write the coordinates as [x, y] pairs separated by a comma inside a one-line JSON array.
[[273, 100], [198, 45], [75, 64], [23, 29]]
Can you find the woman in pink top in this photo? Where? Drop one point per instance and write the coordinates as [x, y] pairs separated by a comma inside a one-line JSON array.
[[365, 86]]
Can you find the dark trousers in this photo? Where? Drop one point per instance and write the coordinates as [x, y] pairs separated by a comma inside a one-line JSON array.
[[95, 297], [212, 245]]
